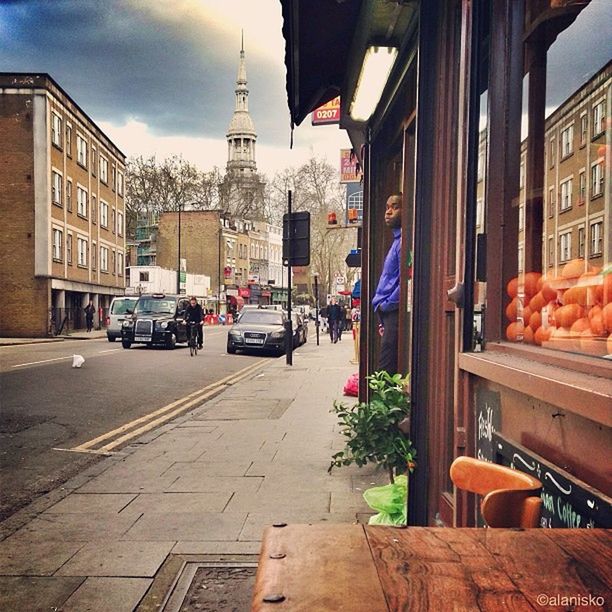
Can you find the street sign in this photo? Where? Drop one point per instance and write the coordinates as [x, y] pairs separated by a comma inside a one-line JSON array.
[[340, 280], [328, 113], [353, 259]]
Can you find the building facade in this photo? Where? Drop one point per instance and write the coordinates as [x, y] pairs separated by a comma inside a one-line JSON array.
[[66, 246]]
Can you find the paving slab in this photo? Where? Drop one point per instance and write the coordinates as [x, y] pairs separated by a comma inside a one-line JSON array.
[[35, 594], [153, 526], [179, 502], [114, 558], [93, 502], [216, 548], [209, 468], [77, 527], [108, 595], [194, 483], [279, 499], [26, 555]]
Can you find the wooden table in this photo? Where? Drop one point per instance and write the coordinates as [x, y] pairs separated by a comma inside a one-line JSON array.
[[359, 568]]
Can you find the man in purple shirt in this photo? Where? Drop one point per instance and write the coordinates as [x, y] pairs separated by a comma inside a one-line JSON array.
[[387, 297]]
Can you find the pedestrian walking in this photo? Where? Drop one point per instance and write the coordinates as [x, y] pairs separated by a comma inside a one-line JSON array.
[[334, 320], [386, 298], [89, 315]]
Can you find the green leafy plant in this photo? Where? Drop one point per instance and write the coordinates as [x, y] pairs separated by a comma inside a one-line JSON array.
[[373, 430]]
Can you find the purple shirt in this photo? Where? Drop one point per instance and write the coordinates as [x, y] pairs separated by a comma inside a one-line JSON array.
[[387, 293]]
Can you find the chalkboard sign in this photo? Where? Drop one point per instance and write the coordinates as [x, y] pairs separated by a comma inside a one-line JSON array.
[[488, 421], [566, 501]]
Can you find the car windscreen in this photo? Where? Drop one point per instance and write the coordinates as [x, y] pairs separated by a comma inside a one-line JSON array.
[[155, 306], [120, 307], [261, 317]]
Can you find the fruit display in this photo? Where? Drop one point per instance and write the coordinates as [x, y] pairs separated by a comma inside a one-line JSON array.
[[570, 312]]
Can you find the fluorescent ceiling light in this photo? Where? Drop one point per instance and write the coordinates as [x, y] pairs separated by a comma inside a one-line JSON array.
[[377, 64]]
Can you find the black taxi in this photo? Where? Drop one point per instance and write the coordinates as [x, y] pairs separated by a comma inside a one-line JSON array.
[[158, 319]]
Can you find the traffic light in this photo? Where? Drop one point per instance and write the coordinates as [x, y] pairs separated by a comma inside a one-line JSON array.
[[331, 218], [353, 215], [296, 248]]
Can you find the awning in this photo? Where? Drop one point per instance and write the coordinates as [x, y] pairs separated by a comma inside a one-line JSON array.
[[318, 35]]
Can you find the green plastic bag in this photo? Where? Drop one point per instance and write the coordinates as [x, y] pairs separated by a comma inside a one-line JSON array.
[[390, 501]]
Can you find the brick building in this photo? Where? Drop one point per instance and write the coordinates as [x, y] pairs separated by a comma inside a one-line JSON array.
[[66, 244]]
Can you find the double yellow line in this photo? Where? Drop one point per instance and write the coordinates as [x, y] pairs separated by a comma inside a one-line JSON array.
[[139, 426]]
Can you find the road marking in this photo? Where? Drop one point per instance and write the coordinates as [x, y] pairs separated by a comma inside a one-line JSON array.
[[21, 365], [110, 350], [91, 452], [169, 411]]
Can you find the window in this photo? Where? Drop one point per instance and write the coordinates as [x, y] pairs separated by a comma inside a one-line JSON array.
[[69, 248], [56, 130], [584, 129], [522, 175], [551, 202], [565, 203], [551, 153], [597, 179], [93, 255], [521, 256], [93, 162], [596, 238], [551, 251], [567, 141], [68, 140], [120, 264], [144, 277], [81, 251], [104, 259], [565, 246], [57, 244], [521, 218], [581, 187], [103, 170], [120, 183], [81, 201], [94, 210], [599, 124], [481, 164], [103, 213], [81, 151], [581, 242], [68, 195], [113, 220], [113, 262], [120, 224], [56, 188], [113, 177]]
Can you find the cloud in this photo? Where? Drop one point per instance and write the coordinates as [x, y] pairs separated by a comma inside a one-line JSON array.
[[170, 64]]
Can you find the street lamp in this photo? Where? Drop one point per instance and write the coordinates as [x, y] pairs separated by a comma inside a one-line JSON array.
[[178, 266]]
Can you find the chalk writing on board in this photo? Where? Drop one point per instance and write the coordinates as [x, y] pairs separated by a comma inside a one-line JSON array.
[[488, 422]]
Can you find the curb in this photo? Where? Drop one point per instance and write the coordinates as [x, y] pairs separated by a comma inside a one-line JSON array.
[[31, 341]]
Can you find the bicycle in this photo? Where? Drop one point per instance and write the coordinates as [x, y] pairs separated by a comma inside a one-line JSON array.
[[193, 339]]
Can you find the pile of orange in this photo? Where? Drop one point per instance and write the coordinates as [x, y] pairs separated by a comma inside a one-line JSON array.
[[571, 312]]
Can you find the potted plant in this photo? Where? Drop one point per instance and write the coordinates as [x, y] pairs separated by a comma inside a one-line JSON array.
[[375, 433]]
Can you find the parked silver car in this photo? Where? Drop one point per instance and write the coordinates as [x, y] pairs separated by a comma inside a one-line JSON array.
[[120, 308]]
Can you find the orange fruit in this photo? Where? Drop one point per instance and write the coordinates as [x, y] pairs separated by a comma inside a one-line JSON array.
[[548, 292], [606, 291], [580, 326], [566, 316], [514, 331], [512, 288], [512, 309], [574, 268], [597, 325], [528, 335], [526, 314], [595, 310], [575, 295], [537, 302], [530, 281], [541, 335], [535, 320], [606, 315]]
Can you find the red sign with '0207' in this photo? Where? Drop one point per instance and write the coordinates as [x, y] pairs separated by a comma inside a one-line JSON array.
[[328, 113]]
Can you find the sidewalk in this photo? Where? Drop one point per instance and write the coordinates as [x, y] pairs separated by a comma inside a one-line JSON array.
[[79, 334], [205, 485]]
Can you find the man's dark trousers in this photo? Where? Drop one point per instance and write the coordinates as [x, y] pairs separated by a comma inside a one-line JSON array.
[[388, 346]]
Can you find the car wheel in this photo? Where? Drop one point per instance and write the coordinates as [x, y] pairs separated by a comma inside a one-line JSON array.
[[126, 344], [171, 342], [230, 349], [111, 338]]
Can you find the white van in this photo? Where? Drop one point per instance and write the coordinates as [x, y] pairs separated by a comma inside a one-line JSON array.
[[117, 314]]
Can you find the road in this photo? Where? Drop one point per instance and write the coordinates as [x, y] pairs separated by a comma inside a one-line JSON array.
[[47, 405]]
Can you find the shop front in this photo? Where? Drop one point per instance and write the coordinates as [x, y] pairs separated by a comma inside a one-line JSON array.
[[494, 125]]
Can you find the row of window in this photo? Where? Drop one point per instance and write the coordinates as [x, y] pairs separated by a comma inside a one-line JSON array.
[[83, 253], [566, 144], [566, 189], [565, 244], [83, 203], [63, 138]]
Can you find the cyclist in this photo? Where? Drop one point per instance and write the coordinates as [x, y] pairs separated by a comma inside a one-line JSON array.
[[194, 314]]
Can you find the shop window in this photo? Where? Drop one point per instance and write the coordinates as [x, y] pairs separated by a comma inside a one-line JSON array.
[[557, 302]]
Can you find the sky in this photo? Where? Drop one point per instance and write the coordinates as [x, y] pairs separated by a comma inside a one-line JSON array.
[[158, 76]]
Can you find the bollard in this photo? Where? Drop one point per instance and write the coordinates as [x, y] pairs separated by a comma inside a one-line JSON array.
[[356, 326]]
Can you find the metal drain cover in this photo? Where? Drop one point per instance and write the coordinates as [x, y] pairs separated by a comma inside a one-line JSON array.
[[213, 586]]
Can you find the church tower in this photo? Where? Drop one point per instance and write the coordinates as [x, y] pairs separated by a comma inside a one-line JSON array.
[[241, 134], [242, 190]]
